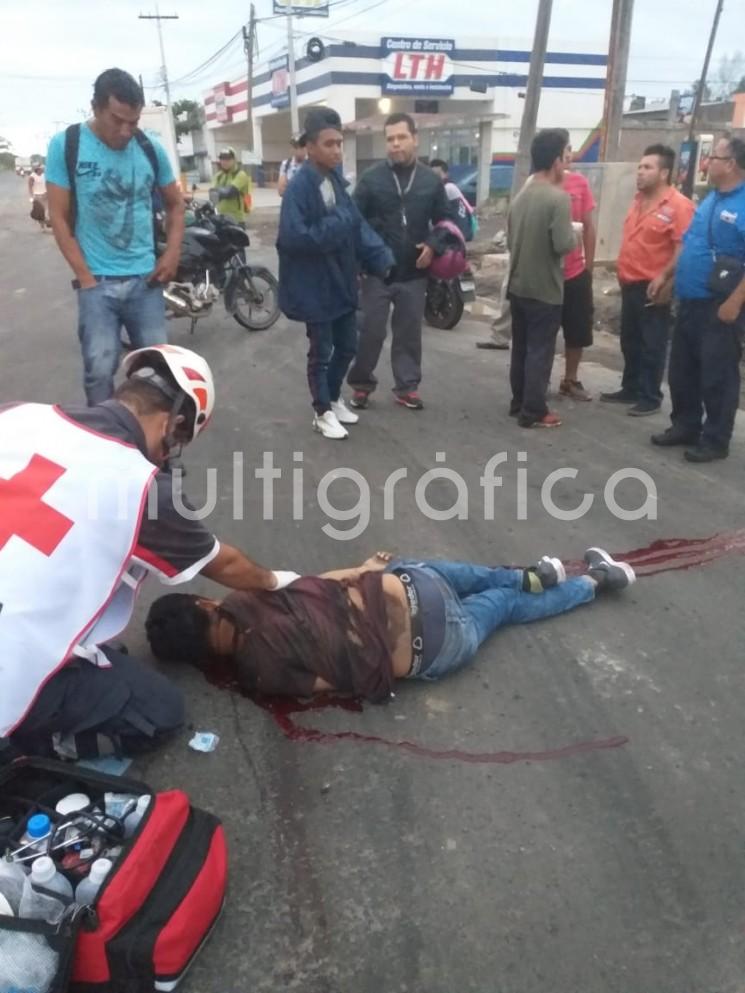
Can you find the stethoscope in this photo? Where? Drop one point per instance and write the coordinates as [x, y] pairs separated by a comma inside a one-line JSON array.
[[105, 823]]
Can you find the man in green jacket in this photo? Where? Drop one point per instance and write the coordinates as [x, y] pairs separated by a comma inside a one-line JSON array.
[[234, 186]]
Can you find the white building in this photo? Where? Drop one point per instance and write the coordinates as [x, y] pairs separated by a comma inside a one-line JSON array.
[[469, 93]]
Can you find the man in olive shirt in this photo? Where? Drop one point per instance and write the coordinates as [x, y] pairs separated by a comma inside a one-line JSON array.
[[539, 234], [233, 186]]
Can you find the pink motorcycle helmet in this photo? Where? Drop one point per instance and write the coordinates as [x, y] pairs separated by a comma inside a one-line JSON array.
[[452, 262]]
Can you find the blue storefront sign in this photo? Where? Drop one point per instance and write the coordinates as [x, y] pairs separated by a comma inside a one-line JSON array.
[[417, 66]]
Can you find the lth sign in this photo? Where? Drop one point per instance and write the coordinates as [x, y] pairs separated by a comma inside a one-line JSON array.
[[417, 66]]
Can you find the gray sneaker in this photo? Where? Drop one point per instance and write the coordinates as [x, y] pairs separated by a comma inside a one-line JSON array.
[[551, 572], [607, 573]]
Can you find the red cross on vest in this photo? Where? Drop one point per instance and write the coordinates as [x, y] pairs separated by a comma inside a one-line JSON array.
[[23, 512]]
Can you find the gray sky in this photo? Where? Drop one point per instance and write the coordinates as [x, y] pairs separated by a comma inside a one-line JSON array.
[[50, 53]]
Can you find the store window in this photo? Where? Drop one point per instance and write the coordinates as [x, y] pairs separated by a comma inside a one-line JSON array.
[[457, 146]]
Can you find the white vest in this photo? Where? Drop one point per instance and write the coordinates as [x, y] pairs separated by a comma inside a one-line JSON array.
[[71, 502]]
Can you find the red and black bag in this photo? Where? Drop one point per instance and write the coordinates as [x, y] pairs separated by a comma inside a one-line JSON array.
[[160, 901]]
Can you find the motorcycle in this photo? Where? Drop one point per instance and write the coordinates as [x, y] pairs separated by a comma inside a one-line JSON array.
[[446, 300], [213, 262]]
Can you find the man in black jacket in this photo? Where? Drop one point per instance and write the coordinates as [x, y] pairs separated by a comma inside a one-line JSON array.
[[401, 199]]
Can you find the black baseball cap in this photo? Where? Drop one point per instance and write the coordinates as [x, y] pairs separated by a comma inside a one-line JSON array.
[[316, 120]]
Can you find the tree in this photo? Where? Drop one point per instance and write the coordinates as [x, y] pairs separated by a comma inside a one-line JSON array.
[[740, 88], [705, 96], [730, 69], [7, 160], [187, 116]]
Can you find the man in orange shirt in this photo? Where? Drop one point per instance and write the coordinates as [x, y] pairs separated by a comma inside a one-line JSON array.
[[652, 237], [577, 309]]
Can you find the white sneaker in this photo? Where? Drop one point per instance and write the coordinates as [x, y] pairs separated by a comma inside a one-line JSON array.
[[343, 414], [328, 425]]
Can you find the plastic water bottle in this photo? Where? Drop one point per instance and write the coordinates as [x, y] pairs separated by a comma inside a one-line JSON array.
[[44, 875], [12, 877], [88, 888], [131, 821], [36, 837]]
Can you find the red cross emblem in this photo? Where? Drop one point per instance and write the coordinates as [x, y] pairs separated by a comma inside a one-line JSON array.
[[24, 513]]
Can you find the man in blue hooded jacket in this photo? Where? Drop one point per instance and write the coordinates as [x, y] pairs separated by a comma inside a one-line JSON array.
[[323, 245]]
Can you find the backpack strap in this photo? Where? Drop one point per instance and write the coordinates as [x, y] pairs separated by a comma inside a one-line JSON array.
[[147, 146], [149, 149], [72, 145]]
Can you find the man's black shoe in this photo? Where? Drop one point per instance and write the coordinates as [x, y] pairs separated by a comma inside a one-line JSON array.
[[674, 436], [705, 453], [643, 409], [620, 396]]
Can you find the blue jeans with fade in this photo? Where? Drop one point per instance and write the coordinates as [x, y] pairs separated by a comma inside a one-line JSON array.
[[103, 310], [332, 346], [480, 599]]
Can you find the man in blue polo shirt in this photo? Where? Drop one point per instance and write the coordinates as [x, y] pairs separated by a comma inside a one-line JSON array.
[[704, 371], [102, 217]]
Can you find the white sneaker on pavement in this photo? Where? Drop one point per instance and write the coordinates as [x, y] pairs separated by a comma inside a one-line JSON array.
[[343, 414], [328, 425]]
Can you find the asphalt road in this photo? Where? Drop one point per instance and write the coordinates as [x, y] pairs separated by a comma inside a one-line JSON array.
[[360, 867]]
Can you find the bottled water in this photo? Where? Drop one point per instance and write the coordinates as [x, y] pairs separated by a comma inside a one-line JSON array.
[[131, 821], [44, 875], [88, 888], [36, 837]]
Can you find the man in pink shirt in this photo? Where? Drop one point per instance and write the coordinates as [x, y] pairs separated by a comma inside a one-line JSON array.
[[577, 310]]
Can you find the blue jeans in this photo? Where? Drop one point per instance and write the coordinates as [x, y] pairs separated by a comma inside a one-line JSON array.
[[332, 346], [103, 310], [479, 599]]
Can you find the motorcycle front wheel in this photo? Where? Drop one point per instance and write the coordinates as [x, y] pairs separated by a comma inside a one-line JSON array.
[[254, 299], [444, 305]]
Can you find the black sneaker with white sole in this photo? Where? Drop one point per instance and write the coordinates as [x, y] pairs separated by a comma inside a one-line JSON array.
[[607, 573], [550, 571], [541, 577]]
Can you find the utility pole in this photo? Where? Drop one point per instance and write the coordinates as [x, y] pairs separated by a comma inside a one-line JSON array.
[[698, 100], [158, 17], [249, 47], [294, 118], [615, 80], [532, 95]]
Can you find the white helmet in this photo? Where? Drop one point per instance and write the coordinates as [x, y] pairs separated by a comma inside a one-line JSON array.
[[190, 371]]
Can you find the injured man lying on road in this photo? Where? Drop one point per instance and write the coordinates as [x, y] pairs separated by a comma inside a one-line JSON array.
[[357, 630]]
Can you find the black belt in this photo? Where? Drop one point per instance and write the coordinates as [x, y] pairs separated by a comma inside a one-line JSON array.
[[417, 631]]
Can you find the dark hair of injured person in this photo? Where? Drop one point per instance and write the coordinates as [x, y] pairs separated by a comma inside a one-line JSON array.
[[178, 629]]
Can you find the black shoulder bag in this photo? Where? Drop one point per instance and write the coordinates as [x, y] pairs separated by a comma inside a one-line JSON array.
[[728, 271]]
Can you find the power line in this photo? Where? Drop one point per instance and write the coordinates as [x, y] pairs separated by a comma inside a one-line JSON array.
[[199, 70]]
